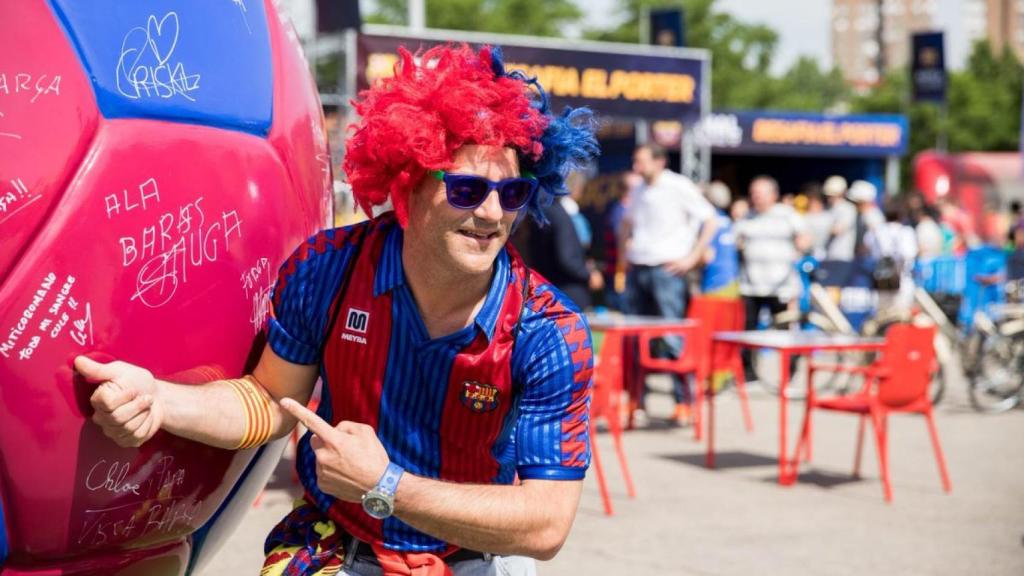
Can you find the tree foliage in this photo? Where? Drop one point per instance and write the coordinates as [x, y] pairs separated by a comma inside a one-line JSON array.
[[742, 53], [985, 101], [982, 112], [805, 86], [983, 109]]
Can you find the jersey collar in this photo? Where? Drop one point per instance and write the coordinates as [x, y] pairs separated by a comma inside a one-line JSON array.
[[390, 275]]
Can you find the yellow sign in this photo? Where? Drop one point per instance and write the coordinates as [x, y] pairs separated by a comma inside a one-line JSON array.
[[571, 82], [825, 133], [601, 84]]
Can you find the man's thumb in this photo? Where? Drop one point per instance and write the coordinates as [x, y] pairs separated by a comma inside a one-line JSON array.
[[94, 371]]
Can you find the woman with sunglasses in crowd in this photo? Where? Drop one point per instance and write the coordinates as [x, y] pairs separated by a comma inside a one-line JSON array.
[[449, 370]]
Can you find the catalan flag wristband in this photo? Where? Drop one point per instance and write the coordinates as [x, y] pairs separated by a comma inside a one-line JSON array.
[[256, 404]]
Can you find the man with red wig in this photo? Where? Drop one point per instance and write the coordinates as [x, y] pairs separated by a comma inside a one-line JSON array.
[[452, 431]]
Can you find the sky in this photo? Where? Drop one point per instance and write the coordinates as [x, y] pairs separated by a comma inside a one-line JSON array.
[[809, 34]]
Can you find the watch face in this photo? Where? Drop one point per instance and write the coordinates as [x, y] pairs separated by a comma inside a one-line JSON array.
[[377, 506]]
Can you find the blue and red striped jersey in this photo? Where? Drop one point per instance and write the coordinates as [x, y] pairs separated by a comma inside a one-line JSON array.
[[506, 396]]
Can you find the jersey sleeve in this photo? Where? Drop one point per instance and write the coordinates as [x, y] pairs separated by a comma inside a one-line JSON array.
[[306, 285], [556, 368]]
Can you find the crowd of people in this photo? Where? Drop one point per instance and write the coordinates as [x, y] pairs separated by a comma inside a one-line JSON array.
[[668, 238]]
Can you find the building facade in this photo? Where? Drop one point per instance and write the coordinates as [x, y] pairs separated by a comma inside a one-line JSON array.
[[1000, 21], [871, 37]]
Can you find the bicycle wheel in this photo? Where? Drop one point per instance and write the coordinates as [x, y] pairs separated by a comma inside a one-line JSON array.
[[995, 381], [937, 388]]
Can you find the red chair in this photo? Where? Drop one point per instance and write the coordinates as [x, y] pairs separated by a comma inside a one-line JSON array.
[[698, 357], [720, 315], [605, 402], [690, 360], [896, 382]]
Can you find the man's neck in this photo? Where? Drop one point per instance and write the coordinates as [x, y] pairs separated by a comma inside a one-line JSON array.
[[448, 301]]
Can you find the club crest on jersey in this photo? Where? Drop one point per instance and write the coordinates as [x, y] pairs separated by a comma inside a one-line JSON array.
[[479, 397], [356, 320]]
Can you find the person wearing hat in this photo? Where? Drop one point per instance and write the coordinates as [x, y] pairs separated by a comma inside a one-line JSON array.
[[868, 217], [840, 243]]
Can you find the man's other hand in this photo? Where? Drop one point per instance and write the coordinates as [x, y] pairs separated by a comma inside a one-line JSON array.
[[683, 265], [350, 459]]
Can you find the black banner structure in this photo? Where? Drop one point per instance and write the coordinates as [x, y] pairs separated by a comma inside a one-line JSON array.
[[617, 80], [335, 16], [928, 69], [668, 27]]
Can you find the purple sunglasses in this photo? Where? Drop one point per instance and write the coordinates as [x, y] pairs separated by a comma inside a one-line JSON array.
[[467, 191]]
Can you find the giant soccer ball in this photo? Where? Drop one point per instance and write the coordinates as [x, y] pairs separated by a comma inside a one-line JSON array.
[[159, 159]]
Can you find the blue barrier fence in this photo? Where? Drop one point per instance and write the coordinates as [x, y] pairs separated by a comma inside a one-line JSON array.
[[942, 275]]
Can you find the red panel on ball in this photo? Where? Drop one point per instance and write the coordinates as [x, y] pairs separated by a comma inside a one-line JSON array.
[[47, 117], [298, 128], [163, 254]]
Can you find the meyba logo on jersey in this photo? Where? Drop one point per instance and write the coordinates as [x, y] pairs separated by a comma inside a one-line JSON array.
[[479, 397], [356, 322]]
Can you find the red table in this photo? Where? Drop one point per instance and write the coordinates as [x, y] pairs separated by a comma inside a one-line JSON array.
[[616, 368], [788, 344], [620, 331]]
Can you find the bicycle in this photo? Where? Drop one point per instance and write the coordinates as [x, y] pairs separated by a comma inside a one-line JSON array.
[[996, 383], [818, 310], [939, 287], [990, 344]]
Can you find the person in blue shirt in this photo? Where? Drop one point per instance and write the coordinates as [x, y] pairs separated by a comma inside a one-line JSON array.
[[453, 425], [986, 271], [721, 276]]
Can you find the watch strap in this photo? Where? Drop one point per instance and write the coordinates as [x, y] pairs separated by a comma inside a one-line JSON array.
[[388, 482]]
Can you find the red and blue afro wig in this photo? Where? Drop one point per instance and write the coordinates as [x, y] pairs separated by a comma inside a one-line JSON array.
[[413, 122]]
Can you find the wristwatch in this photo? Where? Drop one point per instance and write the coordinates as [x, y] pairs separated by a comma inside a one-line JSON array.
[[379, 502]]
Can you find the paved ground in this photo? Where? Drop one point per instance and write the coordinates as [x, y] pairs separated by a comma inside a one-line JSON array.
[[687, 519]]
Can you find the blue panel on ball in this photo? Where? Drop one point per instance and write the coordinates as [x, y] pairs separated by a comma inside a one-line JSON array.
[[198, 61], [3, 536]]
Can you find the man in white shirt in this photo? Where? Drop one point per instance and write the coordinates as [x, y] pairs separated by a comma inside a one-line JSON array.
[[772, 241], [666, 230]]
